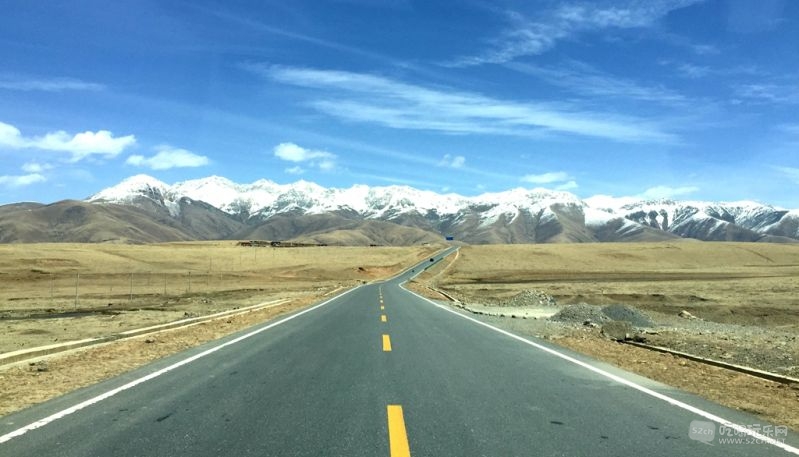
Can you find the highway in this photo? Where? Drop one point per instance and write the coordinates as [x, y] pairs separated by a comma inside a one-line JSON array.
[[377, 371]]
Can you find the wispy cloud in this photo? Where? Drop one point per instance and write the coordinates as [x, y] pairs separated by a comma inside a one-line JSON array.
[[167, 158], [8, 82], [658, 192], [528, 35], [291, 152], [559, 180], [581, 78], [791, 173], [378, 100], [452, 161], [21, 180], [769, 92], [79, 145]]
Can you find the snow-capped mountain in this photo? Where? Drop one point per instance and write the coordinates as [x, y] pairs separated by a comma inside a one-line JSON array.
[[517, 215]]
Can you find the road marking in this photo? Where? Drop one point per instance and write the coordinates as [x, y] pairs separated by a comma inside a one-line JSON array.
[[42, 422], [397, 436], [386, 343], [382, 308], [693, 409], [383, 318]]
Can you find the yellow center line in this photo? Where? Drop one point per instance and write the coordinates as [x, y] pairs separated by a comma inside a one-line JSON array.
[[386, 343], [383, 318], [397, 436]]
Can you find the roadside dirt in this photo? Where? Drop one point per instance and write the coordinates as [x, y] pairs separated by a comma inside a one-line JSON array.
[[744, 310], [25, 384]]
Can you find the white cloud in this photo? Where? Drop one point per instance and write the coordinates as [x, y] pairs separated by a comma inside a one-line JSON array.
[[167, 158], [559, 180], [377, 100], [533, 36], [47, 85], [291, 152], [568, 185], [547, 178], [80, 145], [452, 161], [298, 170], [35, 167], [659, 192], [22, 180]]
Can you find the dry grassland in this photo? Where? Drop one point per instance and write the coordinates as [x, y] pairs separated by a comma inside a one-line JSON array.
[[59, 292], [746, 283]]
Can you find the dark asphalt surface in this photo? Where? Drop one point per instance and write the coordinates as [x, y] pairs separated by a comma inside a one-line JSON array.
[[319, 385]]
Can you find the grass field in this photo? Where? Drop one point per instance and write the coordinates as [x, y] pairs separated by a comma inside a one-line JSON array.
[[59, 292], [748, 283]]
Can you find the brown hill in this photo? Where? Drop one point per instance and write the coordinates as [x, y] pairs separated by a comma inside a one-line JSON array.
[[81, 222], [335, 229]]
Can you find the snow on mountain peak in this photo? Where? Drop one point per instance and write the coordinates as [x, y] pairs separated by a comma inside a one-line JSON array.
[[138, 185], [265, 198]]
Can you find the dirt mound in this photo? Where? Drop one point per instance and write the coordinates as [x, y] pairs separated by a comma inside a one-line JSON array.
[[629, 314], [530, 297]]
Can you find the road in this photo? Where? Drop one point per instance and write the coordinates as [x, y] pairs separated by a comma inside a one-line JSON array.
[[377, 371]]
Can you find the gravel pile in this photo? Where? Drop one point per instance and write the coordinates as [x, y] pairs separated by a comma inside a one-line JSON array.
[[627, 313], [582, 313], [530, 297], [579, 314]]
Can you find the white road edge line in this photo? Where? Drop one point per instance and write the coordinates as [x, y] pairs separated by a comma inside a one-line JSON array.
[[626, 382], [42, 422]]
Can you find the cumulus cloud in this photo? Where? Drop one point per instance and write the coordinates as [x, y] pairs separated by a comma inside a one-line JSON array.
[[79, 146], [452, 161], [568, 185], [558, 180], [168, 157], [658, 192], [291, 152], [547, 178], [21, 180]]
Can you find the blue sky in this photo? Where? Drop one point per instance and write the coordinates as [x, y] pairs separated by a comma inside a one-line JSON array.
[[681, 99]]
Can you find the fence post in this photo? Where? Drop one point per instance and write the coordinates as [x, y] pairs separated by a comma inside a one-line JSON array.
[[77, 283]]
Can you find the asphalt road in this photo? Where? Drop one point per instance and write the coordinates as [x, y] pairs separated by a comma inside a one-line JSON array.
[[378, 371]]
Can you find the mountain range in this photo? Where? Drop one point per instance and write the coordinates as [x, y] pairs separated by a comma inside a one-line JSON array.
[[143, 209]]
